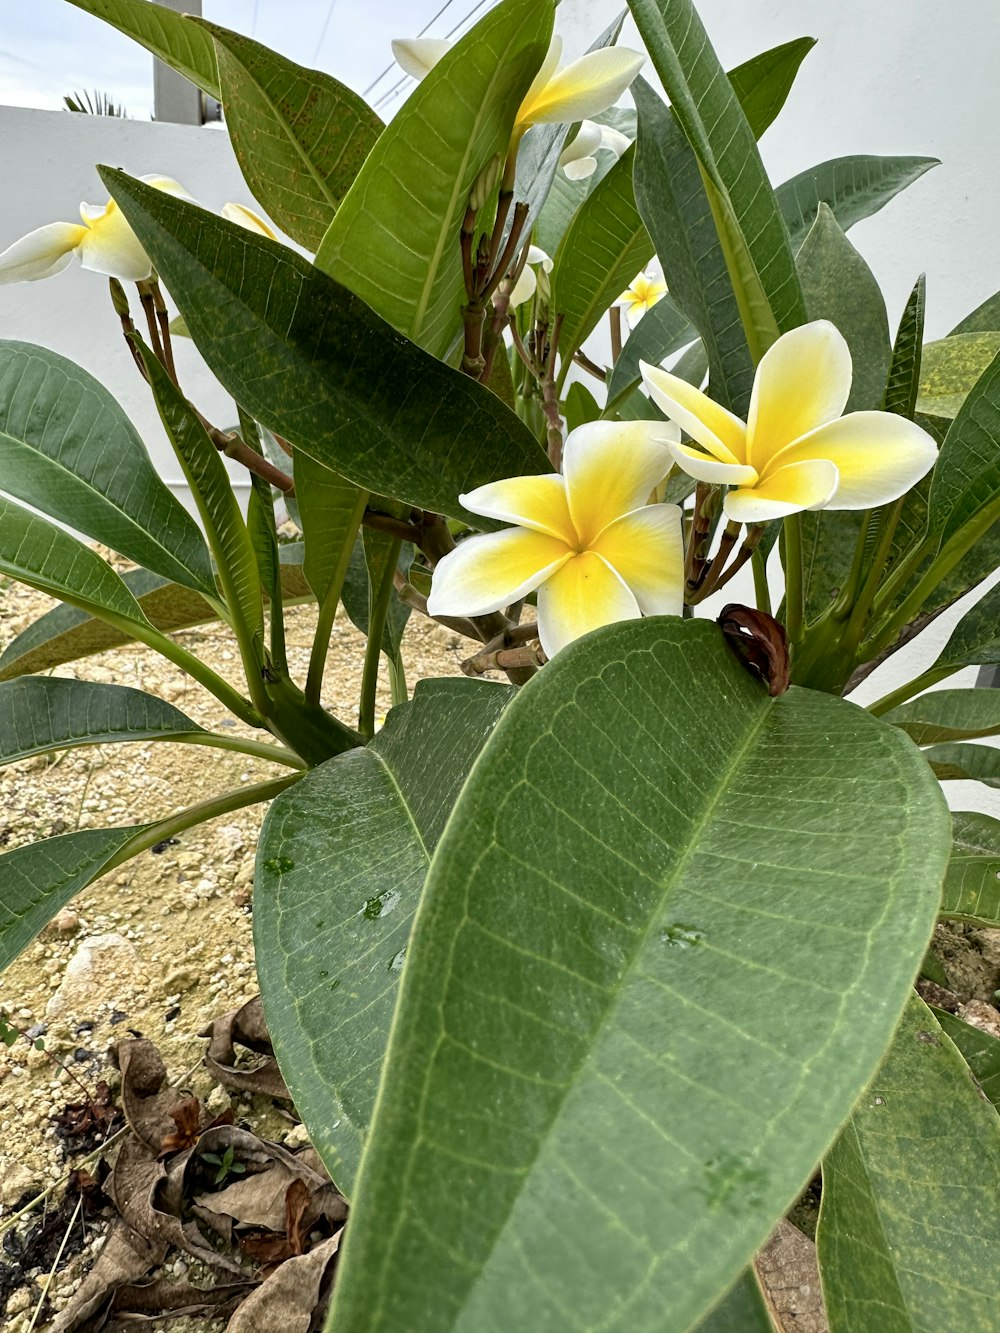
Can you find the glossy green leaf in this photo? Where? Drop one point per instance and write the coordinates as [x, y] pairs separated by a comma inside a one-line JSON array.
[[36, 880], [956, 762], [975, 640], [164, 32], [950, 369], [749, 224], [315, 364], [395, 239], [903, 382], [331, 510], [972, 882], [908, 1225], [965, 483], [68, 449], [839, 286], [300, 136], [644, 988], [580, 406], [948, 715], [65, 634], [984, 319], [979, 1050], [42, 713], [671, 199], [379, 549], [763, 83], [213, 494], [854, 188], [606, 245], [340, 868]]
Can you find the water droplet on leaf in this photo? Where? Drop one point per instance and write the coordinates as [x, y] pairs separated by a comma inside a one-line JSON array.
[[682, 936], [279, 865], [397, 960]]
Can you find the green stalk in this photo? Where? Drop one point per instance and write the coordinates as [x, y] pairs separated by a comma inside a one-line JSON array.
[[911, 688], [198, 814], [762, 593], [397, 681], [331, 600], [382, 596], [276, 754], [794, 581]]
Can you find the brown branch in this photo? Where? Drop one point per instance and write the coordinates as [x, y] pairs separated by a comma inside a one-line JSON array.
[[527, 658], [550, 399], [615, 320], [163, 319], [582, 359]]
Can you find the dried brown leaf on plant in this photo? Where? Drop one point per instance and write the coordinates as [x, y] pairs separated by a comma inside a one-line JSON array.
[[789, 1276], [244, 1027], [294, 1298]]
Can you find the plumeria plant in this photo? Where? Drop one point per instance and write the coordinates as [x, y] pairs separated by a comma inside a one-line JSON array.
[[594, 959]]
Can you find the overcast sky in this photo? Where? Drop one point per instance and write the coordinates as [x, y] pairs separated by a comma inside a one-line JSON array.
[[49, 48]]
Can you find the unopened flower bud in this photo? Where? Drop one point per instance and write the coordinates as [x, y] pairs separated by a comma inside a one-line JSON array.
[[118, 298], [486, 183]]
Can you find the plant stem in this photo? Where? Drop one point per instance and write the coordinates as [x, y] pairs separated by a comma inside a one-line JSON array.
[[582, 359], [794, 582], [277, 754], [397, 681], [328, 606], [163, 319], [381, 599], [615, 321], [550, 399], [762, 593], [912, 687]]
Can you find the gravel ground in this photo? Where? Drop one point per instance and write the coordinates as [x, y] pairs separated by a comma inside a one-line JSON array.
[[174, 929]]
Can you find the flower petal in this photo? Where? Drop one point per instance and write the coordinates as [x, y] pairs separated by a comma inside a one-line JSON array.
[[717, 431], [246, 217], [806, 485], [646, 550], [585, 143], [41, 253], [538, 503], [546, 70], [585, 88], [112, 247], [524, 289], [580, 169], [803, 381], [417, 56], [610, 468], [703, 467], [583, 594], [879, 456], [487, 572]]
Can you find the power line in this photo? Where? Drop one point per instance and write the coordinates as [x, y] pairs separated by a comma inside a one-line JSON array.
[[390, 67], [322, 34], [391, 93], [253, 26]]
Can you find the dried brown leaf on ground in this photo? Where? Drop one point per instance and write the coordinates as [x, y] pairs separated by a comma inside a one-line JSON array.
[[789, 1276], [294, 1298], [244, 1027], [125, 1258], [146, 1102], [87, 1124]]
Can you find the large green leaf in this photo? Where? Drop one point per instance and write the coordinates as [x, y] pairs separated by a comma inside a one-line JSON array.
[[606, 245], [984, 319], [35, 881], [980, 1051], [671, 198], [762, 84], [971, 886], [66, 633], [750, 226], [299, 136], [839, 286], [957, 762], [395, 239], [852, 187], [68, 449], [644, 988], [948, 715], [331, 510], [975, 640], [340, 869], [908, 1235], [741, 1310], [42, 713], [966, 477], [950, 369], [167, 34], [315, 364], [213, 494]]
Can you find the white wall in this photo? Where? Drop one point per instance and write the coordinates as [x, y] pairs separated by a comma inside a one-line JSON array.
[[47, 165]]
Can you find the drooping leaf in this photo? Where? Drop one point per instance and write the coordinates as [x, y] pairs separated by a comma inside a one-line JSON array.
[[66, 633], [395, 239], [168, 35], [971, 889], [854, 188], [213, 494], [908, 1225], [315, 364], [950, 369], [979, 1050], [68, 449], [339, 872], [606, 245], [749, 224], [36, 880], [43, 713], [638, 934], [975, 640], [954, 761], [300, 136], [948, 715]]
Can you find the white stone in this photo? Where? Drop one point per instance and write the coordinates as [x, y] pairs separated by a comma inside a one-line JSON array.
[[92, 974]]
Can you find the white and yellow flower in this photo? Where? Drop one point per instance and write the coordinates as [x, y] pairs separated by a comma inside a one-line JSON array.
[[526, 285], [104, 243], [797, 450], [586, 87], [247, 218], [579, 158], [585, 539], [642, 293]]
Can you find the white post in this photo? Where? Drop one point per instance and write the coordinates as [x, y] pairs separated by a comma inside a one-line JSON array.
[[175, 98]]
